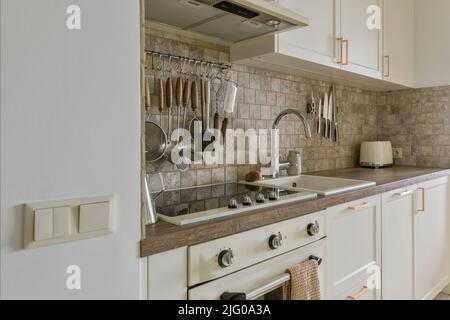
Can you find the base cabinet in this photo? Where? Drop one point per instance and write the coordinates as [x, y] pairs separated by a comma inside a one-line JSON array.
[[398, 209], [354, 249], [430, 239]]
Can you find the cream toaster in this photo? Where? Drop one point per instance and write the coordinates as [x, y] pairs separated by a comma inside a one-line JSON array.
[[376, 154]]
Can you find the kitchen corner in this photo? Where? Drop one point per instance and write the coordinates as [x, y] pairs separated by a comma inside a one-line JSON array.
[[355, 170]]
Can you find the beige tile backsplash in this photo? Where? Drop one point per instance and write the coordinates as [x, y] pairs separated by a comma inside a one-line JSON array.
[[415, 120], [418, 122]]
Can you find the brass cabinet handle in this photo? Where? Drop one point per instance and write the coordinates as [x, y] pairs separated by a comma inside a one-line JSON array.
[[341, 50], [388, 59], [365, 205], [423, 200], [346, 50], [359, 294]]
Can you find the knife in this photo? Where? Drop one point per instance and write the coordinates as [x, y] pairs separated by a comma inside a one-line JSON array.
[[336, 127], [330, 116], [325, 115], [319, 124]]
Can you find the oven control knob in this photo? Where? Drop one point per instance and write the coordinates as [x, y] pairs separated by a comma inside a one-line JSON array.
[[226, 258], [233, 204], [276, 241], [260, 198], [247, 201], [274, 195], [313, 229]]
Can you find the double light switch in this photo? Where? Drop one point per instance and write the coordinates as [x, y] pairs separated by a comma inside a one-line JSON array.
[[54, 223], [62, 221]]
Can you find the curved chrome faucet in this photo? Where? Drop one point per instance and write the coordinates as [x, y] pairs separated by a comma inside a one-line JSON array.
[[298, 114], [275, 161]]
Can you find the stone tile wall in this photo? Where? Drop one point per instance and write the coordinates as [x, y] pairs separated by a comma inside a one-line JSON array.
[[418, 122]]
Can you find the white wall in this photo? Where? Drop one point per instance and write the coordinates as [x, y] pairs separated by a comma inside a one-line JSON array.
[[432, 43], [70, 127]]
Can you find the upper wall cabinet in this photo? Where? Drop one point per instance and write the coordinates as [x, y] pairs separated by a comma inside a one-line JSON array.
[[398, 35], [338, 44], [360, 39], [316, 42]]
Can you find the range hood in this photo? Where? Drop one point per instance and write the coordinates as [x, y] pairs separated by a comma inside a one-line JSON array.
[[232, 20]]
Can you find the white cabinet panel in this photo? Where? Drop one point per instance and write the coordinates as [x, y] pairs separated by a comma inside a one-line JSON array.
[[398, 37], [354, 243], [430, 239], [397, 244], [362, 44], [167, 275], [316, 42]]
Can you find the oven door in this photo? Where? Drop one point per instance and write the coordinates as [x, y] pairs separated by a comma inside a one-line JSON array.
[[263, 281]]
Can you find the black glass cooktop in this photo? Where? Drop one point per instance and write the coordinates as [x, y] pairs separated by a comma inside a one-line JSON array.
[[198, 199]]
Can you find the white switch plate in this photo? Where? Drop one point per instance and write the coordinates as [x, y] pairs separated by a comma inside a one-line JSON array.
[[43, 224], [59, 224], [64, 221], [94, 217]]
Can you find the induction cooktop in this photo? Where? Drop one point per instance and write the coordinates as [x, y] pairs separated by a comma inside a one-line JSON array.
[[191, 205]]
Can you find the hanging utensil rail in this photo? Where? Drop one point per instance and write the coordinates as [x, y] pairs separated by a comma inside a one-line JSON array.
[[218, 65]]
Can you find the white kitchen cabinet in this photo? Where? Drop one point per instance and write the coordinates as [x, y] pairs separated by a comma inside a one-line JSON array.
[[430, 239], [167, 275], [397, 244], [337, 44], [316, 42], [353, 247], [398, 38], [361, 47]]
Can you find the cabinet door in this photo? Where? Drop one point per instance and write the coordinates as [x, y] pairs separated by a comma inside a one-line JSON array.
[[430, 239], [398, 38], [362, 47], [316, 42], [354, 245], [167, 275], [397, 244]]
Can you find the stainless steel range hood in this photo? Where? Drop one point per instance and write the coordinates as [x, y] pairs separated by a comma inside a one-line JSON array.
[[232, 20]]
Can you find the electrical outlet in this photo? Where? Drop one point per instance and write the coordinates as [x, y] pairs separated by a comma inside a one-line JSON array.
[[397, 153]]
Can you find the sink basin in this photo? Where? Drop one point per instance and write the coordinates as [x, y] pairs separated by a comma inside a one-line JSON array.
[[324, 186]]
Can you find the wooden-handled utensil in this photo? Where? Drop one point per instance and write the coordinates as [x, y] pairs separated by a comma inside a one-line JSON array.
[[186, 97], [178, 99], [147, 100], [169, 103], [161, 98], [216, 121], [223, 130]]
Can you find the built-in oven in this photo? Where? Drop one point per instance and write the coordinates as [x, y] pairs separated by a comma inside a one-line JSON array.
[[252, 265]]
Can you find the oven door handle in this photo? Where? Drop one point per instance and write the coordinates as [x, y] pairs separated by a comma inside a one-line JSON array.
[[257, 292]]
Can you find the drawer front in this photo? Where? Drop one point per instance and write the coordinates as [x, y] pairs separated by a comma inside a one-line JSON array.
[[397, 243], [354, 246], [250, 247]]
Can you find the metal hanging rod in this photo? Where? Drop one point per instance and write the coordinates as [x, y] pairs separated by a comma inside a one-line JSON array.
[[220, 65]]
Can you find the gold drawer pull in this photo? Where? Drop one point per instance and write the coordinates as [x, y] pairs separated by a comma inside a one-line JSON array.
[[404, 193], [359, 294], [388, 64], [365, 205]]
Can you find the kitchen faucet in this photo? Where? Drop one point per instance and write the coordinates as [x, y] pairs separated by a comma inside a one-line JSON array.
[[275, 154]]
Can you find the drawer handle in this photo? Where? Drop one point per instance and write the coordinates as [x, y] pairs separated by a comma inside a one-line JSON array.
[[423, 200], [404, 193], [359, 294], [365, 205]]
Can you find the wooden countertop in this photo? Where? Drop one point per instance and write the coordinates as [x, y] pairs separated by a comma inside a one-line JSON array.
[[163, 236]]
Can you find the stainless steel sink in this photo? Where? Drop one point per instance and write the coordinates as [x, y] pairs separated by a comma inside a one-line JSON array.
[[324, 186]]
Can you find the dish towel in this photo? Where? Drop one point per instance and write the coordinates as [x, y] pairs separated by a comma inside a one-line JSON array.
[[304, 283]]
